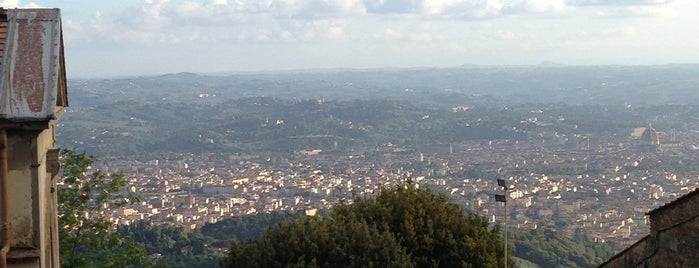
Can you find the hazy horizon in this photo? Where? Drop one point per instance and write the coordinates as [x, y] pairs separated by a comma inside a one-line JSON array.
[[153, 37]]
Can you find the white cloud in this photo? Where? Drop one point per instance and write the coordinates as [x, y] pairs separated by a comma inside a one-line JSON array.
[[545, 6], [629, 8], [17, 4], [455, 31], [315, 9], [449, 9], [393, 6], [618, 2], [438, 6], [491, 8], [651, 11], [636, 11], [149, 16]]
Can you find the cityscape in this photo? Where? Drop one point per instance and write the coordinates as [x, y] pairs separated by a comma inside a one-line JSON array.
[[193, 190], [349, 133]]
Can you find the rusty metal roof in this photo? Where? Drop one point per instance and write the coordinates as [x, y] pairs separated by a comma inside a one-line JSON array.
[[32, 65]]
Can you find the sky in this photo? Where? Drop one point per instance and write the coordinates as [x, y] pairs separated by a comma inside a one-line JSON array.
[[151, 37]]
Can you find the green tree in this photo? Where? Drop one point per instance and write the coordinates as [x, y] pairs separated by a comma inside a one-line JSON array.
[[402, 226], [320, 242], [174, 245], [87, 238], [547, 248], [435, 231]]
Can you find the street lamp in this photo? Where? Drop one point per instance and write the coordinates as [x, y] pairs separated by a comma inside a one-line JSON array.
[[503, 198]]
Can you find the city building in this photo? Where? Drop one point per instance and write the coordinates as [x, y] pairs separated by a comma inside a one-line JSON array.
[[649, 140]]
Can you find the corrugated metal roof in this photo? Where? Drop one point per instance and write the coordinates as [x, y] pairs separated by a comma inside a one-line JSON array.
[[32, 71]]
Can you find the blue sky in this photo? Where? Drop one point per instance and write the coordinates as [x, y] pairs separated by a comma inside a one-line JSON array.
[[129, 37]]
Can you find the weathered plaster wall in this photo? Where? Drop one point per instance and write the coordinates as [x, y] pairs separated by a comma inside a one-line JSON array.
[[678, 244], [21, 197], [47, 218], [673, 241], [633, 256], [32, 197]]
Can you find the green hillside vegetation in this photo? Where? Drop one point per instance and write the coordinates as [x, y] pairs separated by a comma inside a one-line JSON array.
[[546, 248], [176, 247], [401, 227], [173, 246], [247, 227], [263, 125], [574, 85]]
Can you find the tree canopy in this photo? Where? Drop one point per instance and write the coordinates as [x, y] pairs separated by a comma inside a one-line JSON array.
[[548, 248], [87, 238], [404, 226]]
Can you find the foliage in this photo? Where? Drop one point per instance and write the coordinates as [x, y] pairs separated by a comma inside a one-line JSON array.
[[246, 227], [264, 124], [87, 238], [546, 248], [275, 125], [173, 245], [402, 226], [195, 113], [434, 230], [320, 242]]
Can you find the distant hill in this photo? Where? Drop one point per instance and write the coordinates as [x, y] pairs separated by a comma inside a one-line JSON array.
[[578, 85], [359, 109]]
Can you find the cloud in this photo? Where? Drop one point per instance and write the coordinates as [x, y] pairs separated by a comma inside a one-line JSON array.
[[470, 10], [545, 6], [420, 34], [628, 8], [456, 9], [215, 13], [637, 11], [157, 22], [438, 6], [17, 4], [314, 9], [392, 6], [618, 2], [148, 16], [651, 11]]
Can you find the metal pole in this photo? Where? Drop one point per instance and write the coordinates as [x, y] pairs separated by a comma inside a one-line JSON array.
[[503, 198], [505, 220]]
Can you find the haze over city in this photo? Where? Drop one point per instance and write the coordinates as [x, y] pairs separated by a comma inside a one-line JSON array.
[[349, 133], [133, 38]]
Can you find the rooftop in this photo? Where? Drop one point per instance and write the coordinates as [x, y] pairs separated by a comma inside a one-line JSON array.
[[32, 71]]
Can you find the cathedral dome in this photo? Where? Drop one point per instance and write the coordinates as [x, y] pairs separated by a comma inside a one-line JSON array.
[[650, 136]]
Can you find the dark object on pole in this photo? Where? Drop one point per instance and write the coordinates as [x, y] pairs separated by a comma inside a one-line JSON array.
[[502, 183], [503, 198], [500, 198]]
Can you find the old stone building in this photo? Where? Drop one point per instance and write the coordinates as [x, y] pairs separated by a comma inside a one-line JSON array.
[[673, 240], [33, 94]]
